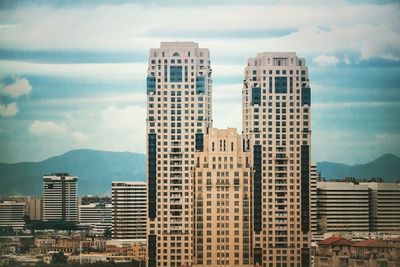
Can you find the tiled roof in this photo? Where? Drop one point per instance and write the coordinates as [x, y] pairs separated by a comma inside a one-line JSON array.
[[372, 243], [334, 240]]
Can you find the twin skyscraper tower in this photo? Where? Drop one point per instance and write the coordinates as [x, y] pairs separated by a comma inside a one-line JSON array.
[[215, 197]]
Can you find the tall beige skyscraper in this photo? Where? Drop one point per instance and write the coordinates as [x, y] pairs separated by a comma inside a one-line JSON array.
[[178, 112], [223, 215], [276, 129]]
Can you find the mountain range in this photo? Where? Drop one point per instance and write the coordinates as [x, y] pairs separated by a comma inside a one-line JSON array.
[[386, 167], [97, 169]]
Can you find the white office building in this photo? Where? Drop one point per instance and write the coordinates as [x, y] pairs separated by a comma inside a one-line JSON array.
[[343, 207], [60, 202], [129, 210], [98, 216], [12, 214]]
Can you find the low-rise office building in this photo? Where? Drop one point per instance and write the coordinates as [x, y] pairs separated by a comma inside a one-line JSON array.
[[97, 216], [343, 207], [12, 214], [384, 201]]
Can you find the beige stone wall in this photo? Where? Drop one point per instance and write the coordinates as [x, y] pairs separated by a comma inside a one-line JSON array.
[[175, 113], [281, 125], [223, 201]]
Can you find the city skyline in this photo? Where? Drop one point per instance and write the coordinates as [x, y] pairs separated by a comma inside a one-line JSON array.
[[82, 83]]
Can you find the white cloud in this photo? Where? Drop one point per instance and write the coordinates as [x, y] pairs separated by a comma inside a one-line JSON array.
[[111, 71], [79, 137], [228, 115], [341, 146], [227, 70], [8, 110], [47, 128], [18, 88], [62, 130], [130, 117], [346, 60], [369, 29], [324, 60], [98, 72]]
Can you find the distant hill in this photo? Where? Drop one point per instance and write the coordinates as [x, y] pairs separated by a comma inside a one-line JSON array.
[[387, 167], [95, 169]]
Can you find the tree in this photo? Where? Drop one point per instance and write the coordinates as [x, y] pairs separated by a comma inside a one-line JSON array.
[[58, 258]]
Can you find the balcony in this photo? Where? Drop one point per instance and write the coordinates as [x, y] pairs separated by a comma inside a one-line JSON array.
[[176, 150], [176, 213], [175, 169], [281, 188]]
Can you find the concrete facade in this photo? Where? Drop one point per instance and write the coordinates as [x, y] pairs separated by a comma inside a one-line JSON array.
[[98, 216], [384, 201], [12, 215], [60, 201], [129, 210], [343, 207]]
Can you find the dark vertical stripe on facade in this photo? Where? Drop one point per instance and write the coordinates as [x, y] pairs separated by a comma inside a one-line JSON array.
[[152, 174], [257, 185], [255, 96], [305, 257], [199, 142], [305, 183], [258, 256], [152, 251], [305, 96]]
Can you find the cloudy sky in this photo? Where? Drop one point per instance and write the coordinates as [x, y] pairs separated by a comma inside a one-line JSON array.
[[73, 75]]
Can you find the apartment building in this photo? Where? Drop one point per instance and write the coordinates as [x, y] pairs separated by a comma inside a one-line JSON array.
[[277, 131], [339, 252], [129, 210], [222, 200], [178, 112]]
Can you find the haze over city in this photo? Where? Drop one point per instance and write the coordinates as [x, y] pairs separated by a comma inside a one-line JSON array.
[[73, 74]]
